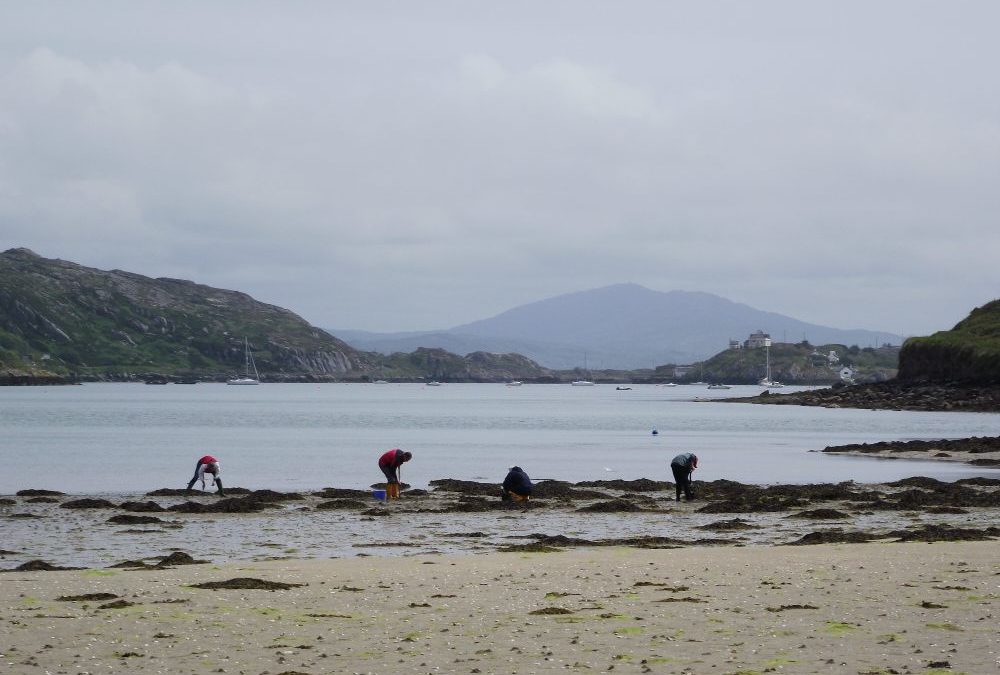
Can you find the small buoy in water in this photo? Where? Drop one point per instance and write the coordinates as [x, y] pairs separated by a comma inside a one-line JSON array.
[[655, 432]]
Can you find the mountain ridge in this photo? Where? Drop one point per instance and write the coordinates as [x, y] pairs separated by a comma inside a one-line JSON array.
[[626, 326]]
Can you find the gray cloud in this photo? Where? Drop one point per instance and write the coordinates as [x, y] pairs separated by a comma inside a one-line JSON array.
[[388, 166]]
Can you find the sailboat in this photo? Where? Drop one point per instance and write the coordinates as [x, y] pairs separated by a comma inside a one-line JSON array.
[[583, 383], [248, 359], [767, 381]]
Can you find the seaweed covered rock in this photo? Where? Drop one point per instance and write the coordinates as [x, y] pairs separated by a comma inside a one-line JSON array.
[[638, 485], [466, 487], [141, 507], [126, 519], [342, 493], [836, 536], [87, 504], [229, 505], [944, 533], [610, 506], [820, 514], [342, 505], [557, 489], [179, 558]]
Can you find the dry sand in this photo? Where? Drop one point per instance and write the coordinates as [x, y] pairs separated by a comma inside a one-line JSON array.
[[861, 608]]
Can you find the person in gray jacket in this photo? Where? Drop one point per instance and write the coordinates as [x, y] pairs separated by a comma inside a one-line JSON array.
[[682, 466]]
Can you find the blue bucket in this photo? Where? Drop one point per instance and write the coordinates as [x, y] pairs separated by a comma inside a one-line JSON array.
[[379, 495]]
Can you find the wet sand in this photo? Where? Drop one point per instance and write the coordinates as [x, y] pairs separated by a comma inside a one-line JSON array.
[[867, 608], [598, 576], [100, 531]]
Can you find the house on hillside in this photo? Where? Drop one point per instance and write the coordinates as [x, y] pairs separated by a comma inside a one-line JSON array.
[[735, 344], [757, 340]]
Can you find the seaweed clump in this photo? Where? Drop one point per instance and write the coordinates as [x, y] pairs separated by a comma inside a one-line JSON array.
[[87, 597], [87, 504], [246, 583], [41, 566], [126, 519], [836, 536], [729, 525], [943, 533], [820, 514], [610, 506], [341, 504], [141, 507]]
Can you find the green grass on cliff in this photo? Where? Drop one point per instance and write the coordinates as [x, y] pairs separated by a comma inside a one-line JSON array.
[[970, 352]]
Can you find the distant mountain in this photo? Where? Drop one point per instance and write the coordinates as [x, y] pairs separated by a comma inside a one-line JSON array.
[[60, 317], [624, 326]]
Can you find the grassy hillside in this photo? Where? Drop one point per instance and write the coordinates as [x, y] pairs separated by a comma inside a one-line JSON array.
[[969, 353], [61, 317], [800, 363], [438, 364]]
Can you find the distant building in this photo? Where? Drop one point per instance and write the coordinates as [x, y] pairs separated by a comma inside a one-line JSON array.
[[832, 357], [681, 371], [847, 374], [757, 340], [735, 344]]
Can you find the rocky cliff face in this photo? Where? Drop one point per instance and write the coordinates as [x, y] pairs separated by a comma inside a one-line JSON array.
[[969, 353], [66, 317]]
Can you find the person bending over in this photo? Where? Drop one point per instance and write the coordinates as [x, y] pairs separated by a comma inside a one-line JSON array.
[[390, 463], [683, 465], [516, 486], [207, 464]]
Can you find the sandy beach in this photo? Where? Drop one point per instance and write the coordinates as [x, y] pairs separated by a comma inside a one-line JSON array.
[[865, 608], [900, 577]]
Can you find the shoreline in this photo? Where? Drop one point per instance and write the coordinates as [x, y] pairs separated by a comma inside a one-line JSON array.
[[47, 528], [889, 395], [928, 608], [975, 451]]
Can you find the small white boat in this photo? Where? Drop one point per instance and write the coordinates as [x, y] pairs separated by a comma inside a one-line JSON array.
[[582, 383], [381, 382], [433, 383], [719, 386], [668, 384], [623, 388], [248, 363], [770, 384], [514, 383]]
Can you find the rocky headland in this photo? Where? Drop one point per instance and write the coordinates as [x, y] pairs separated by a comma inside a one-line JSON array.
[[892, 395], [955, 370]]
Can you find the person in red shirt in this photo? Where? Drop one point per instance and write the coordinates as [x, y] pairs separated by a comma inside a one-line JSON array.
[[207, 464], [389, 463]]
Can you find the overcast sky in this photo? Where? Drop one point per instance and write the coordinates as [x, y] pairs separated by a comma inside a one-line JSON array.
[[417, 165]]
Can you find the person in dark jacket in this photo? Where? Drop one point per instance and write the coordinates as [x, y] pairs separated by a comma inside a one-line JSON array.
[[516, 486], [683, 465], [389, 463]]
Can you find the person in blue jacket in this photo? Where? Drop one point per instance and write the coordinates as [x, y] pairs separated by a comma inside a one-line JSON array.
[[516, 486], [682, 466]]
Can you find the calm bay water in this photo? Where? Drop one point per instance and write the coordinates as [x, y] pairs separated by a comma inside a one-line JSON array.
[[118, 438]]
